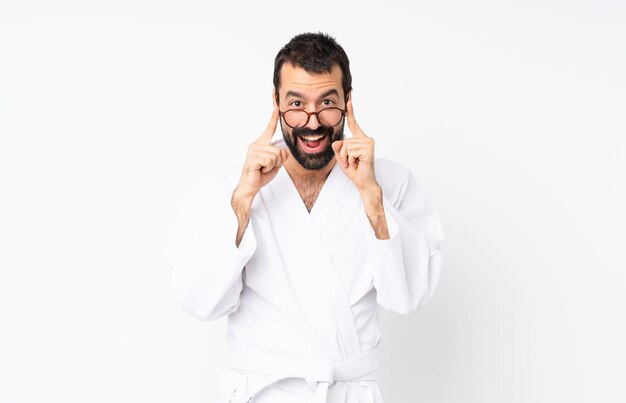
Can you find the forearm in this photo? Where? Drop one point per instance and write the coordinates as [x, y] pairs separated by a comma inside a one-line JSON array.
[[241, 204], [206, 265], [375, 211], [406, 268]]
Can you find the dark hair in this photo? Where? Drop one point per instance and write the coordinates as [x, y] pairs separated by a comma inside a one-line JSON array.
[[315, 53]]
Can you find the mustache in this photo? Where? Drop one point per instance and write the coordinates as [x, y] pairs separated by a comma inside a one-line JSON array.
[[305, 131]]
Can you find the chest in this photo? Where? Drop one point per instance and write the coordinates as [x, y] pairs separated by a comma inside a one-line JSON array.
[[295, 246], [308, 190], [299, 256]]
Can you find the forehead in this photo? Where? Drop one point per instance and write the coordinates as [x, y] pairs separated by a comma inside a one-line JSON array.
[[294, 78]]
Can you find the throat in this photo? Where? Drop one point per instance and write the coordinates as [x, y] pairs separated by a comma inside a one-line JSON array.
[[308, 183], [309, 187], [309, 200]]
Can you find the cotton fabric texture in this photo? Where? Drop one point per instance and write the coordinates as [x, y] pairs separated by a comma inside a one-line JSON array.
[[302, 290]]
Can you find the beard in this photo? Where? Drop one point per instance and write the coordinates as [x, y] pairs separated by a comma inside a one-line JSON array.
[[313, 161]]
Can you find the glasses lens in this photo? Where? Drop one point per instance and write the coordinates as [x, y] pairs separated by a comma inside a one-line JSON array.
[[330, 117], [295, 118]]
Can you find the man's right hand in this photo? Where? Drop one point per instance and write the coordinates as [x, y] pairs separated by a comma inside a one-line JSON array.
[[262, 164]]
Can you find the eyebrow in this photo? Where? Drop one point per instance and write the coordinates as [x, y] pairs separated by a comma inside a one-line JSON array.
[[295, 94]]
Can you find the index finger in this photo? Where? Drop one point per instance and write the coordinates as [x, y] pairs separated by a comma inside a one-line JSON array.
[[266, 137], [352, 124]]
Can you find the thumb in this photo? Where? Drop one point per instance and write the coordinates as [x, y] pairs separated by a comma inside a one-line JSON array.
[[337, 146], [343, 163]]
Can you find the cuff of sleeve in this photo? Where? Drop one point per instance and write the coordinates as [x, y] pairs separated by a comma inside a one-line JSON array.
[[385, 255], [207, 265]]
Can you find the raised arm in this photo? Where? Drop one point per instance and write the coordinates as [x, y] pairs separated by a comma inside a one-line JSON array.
[[211, 241]]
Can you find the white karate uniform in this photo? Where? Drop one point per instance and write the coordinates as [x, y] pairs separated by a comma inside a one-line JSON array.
[[302, 289]]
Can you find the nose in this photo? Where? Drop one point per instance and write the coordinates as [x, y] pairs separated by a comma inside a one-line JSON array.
[[313, 122]]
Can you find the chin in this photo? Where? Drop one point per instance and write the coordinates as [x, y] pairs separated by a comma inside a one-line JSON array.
[[314, 162]]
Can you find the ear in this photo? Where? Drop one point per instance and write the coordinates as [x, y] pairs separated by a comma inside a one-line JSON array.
[[348, 95], [275, 96]]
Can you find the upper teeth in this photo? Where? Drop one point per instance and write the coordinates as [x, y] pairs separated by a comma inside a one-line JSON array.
[[312, 138]]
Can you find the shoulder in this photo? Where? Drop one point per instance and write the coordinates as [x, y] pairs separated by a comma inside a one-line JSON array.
[[395, 179]]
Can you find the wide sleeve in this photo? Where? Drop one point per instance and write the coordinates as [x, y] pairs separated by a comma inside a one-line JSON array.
[[405, 268], [205, 264]]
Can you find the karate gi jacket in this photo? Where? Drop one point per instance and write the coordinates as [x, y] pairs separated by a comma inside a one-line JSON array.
[[302, 290]]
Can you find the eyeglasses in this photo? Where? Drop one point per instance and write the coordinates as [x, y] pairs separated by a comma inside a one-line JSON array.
[[299, 118]]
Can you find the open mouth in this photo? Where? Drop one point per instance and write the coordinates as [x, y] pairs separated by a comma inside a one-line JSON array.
[[314, 143]]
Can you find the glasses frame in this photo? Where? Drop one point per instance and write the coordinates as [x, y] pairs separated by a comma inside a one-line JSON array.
[[308, 117]]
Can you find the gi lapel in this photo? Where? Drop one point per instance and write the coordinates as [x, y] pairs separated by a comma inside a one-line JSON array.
[[317, 287], [328, 198]]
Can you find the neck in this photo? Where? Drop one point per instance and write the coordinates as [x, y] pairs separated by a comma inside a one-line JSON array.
[[307, 182]]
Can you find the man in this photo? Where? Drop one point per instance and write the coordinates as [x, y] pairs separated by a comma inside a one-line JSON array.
[[301, 246]]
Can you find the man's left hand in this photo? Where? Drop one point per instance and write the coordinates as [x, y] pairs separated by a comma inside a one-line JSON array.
[[356, 155]]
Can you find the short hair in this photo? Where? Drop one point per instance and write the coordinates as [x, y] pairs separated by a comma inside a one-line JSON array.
[[316, 54]]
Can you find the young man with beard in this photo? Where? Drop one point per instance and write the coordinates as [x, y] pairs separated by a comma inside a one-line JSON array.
[[301, 247]]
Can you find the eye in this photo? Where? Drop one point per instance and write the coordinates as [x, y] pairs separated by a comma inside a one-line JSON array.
[[296, 104], [328, 102]]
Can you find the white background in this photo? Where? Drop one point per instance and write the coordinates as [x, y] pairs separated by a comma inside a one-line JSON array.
[[512, 114]]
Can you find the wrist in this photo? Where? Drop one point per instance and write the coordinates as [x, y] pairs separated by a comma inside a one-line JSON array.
[[375, 211], [372, 198], [242, 197], [241, 204]]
